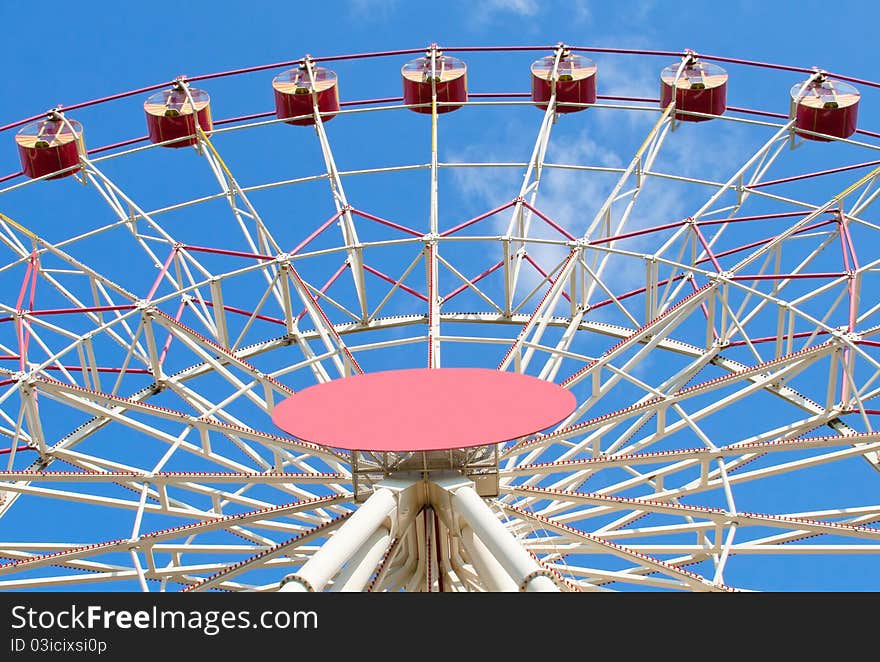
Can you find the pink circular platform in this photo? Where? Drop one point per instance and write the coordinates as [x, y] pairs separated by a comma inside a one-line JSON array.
[[423, 409]]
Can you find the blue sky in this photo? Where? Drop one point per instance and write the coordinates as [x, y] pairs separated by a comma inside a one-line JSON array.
[[70, 54], [105, 47]]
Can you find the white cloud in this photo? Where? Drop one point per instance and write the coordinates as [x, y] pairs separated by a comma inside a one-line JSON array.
[[372, 10], [572, 198], [581, 13], [609, 138], [519, 7], [576, 12]]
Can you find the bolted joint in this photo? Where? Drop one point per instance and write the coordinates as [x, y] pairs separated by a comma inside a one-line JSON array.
[[562, 48], [144, 306], [723, 276], [819, 74], [27, 382], [299, 580], [543, 572]]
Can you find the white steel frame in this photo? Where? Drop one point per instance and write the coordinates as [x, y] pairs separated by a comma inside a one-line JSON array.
[[431, 531]]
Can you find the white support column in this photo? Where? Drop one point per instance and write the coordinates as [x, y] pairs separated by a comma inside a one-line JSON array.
[[359, 569], [401, 575], [431, 245], [521, 217], [346, 222], [457, 501], [518, 563], [361, 540], [487, 566], [341, 547]]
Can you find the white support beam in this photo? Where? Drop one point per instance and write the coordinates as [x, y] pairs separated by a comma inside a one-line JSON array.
[[357, 572], [489, 569], [389, 508], [458, 504]]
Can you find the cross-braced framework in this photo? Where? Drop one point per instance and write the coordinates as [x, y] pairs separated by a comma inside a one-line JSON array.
[[724, 359]]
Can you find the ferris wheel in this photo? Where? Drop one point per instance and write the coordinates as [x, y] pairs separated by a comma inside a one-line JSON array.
[[270, 353]]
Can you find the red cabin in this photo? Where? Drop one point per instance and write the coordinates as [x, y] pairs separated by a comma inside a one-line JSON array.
[[296, 93], [50, 145], [171, 116], [700, 88], [825, 106], [575, 82], [448, 74]]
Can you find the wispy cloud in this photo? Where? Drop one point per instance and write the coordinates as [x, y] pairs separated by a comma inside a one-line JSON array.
[[573, 198], [518, 7], [577, 12], [371, 10], [605, 138]]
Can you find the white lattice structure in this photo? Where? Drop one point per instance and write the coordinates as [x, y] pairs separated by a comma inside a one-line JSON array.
[[724, 403]]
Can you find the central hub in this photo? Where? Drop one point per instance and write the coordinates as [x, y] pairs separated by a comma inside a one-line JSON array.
[[426, 409], [424, 420]]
